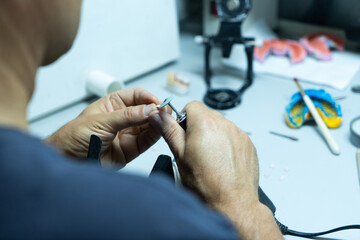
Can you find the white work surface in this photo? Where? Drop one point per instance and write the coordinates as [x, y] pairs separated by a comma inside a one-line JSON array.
[[312, 189]]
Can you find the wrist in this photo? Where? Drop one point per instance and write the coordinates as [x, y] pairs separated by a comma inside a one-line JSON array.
[[56, 140], [50, 140], [252, 220]]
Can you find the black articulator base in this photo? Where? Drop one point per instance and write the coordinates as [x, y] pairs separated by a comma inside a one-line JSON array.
[[221, 98]]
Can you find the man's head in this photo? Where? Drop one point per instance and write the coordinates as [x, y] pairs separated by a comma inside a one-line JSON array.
[[49, 26]]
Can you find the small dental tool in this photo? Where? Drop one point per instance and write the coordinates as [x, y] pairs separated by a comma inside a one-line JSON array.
[[285, 136], [180, 117]]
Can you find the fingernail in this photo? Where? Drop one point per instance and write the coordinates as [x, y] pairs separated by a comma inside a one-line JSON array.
[[149, 109]]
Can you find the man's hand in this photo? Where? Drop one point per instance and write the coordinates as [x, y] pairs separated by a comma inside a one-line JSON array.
[[219, 163], [120, 119]]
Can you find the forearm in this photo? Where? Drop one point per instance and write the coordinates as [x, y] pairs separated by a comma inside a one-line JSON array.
[[253, 222]]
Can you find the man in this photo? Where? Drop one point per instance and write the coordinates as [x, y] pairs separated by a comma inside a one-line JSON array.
[[44, 195]]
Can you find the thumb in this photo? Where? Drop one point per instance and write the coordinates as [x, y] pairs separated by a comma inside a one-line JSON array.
[[129, 116], [171, 131]]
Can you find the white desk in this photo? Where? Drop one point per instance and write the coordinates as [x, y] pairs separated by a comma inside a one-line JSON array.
[[312, 189]]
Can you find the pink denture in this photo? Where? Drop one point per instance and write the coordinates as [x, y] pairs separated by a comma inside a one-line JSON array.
[[319, 45], [281, 47]]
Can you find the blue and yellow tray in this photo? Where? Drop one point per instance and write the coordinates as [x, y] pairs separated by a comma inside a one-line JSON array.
[[297, 113]]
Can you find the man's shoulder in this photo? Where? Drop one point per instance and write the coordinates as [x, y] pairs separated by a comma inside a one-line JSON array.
[[20, 151], [39, 187]]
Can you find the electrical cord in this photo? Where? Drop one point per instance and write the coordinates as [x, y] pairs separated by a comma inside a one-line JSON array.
[[286, 231]]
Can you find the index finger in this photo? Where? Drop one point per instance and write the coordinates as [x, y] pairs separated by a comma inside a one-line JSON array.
[[121, 99], [135, 96]]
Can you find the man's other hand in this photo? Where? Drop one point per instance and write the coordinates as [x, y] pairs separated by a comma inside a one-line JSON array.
[[120, 119]]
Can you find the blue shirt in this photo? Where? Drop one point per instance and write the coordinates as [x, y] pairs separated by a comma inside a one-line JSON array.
[[44, 195]]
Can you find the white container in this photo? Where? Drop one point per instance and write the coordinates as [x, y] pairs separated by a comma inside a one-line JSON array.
[[101, 84]]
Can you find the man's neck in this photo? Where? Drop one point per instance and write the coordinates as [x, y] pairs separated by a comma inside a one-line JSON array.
[[14, 98], [19, 61]]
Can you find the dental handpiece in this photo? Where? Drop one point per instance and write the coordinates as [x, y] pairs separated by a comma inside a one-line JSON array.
[[180, 117]]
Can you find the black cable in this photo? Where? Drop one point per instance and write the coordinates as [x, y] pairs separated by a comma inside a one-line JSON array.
[[286, 231]]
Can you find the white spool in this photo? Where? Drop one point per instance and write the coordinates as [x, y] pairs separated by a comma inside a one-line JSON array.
[[101, 84]]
